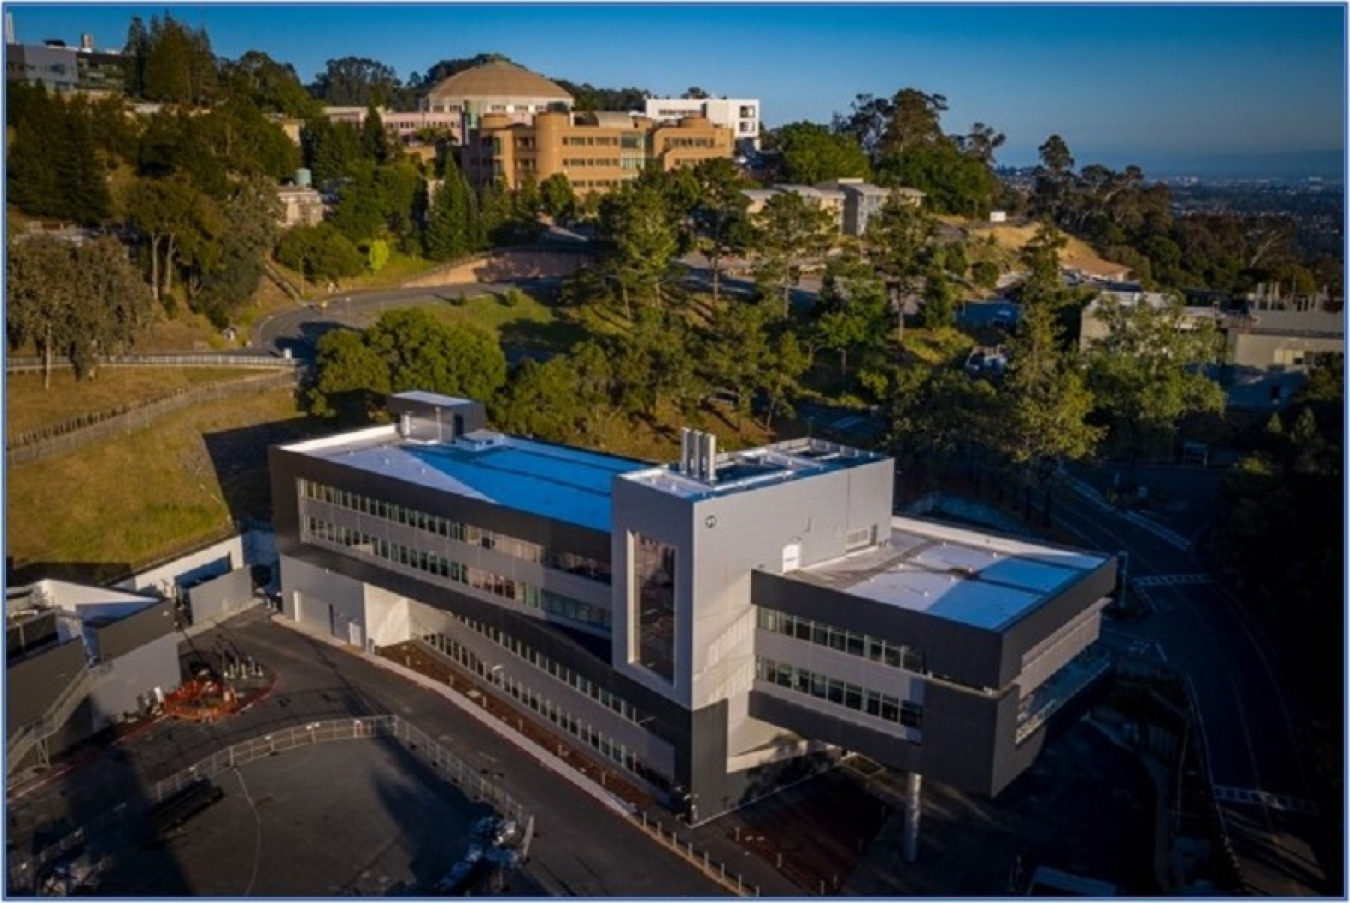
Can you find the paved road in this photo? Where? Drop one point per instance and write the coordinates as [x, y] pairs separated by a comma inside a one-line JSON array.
[[297, 328], [1201, 630], [581, 849]]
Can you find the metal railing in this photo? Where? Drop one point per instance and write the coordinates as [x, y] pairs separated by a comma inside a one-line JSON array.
[[36, 732], [449, 767], [194, 359]]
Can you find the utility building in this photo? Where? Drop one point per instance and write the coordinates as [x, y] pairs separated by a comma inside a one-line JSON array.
[[716, 626]]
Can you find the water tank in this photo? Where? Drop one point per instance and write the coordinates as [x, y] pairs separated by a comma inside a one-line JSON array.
[[303, 178]]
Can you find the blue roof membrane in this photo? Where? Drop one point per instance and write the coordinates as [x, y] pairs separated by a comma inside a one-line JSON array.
[[565, 484]]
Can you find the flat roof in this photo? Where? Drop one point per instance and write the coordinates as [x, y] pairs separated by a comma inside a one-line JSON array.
[[738, 471], [961, 575], [555, 481]]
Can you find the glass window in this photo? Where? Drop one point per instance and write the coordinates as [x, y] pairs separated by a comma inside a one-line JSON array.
[[652, 603]]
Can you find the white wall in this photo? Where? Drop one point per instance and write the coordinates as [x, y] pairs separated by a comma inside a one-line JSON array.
[[316, 589], [138, 672], [387, 617]]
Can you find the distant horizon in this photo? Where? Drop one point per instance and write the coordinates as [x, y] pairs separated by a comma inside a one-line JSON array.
[[1214, 91]]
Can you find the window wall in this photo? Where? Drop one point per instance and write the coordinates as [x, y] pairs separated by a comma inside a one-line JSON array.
[[841, 693], [652, 605], [444, 570], [887, 652], [571, 563]]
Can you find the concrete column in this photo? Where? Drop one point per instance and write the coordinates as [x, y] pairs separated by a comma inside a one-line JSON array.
[[913, 804]]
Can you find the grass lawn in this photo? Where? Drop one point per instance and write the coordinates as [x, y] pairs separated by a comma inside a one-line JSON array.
[[145, 494], [28, 406], [526, 323]]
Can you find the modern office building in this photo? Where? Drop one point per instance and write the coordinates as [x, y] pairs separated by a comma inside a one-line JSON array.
[[714, 627], [62, 69], [597, 151]]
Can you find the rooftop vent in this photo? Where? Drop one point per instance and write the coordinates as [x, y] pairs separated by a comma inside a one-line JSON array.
[[698, 455], [480, 440]]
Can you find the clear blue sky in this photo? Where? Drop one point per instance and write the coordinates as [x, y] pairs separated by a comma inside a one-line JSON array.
[[1120, 83]]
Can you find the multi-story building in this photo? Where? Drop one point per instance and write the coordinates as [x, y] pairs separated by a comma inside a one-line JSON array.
[[498, 87], [597, 151], [713, 627], [402, 125], [61, 69], [851, 202], [741, 116]]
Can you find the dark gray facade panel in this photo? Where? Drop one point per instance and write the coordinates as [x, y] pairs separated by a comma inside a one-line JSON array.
[[32, 685], [961, 734], [808, 721], [1036, 625], [705, 770], [966, 654], [134, 631], [30, 633]]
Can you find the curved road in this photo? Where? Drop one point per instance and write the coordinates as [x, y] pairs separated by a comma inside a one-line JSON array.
[[1248, 722], [296, 329]]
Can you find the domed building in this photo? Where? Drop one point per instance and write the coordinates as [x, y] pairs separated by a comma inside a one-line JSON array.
[[499, 87]]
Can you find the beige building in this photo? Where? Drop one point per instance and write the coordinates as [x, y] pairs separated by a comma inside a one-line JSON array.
[[301, 206], [1288, 340], [403, 126], [595, 151], [497, 88]]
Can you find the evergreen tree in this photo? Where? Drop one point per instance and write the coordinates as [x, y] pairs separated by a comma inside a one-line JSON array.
[[374, 139], [31, 179], [135, 53], [83, 180]]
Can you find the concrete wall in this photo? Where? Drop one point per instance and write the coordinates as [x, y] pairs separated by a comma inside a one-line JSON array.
[[222, 595], [212, 561], [129, 679], [32, 684], [127, 634], [309, 592]]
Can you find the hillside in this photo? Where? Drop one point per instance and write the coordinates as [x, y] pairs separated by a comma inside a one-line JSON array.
[[1005, 240]]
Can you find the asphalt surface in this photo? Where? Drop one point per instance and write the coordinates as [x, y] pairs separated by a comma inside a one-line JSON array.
[[1248, 720], [298, 328], [581, 847]]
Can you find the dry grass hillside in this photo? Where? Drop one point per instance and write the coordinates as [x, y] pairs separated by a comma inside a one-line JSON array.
[[1001, 242]]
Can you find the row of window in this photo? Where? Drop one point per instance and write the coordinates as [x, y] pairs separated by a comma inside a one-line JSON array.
[[544, 706], [841, 693], [689, 142], [861, 645], [591, 162], [584, 685], [350, 540], [533, 552], [589, 141], [597, 183]]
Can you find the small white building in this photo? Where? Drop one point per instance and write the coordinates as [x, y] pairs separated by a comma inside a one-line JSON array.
[[741, 115]]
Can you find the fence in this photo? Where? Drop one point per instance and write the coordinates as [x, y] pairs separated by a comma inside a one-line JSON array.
[[72, 434], [23, 873], [717, 871], [204, 359]]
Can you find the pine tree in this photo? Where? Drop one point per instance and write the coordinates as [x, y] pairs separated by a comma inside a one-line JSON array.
[[83, 185]]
